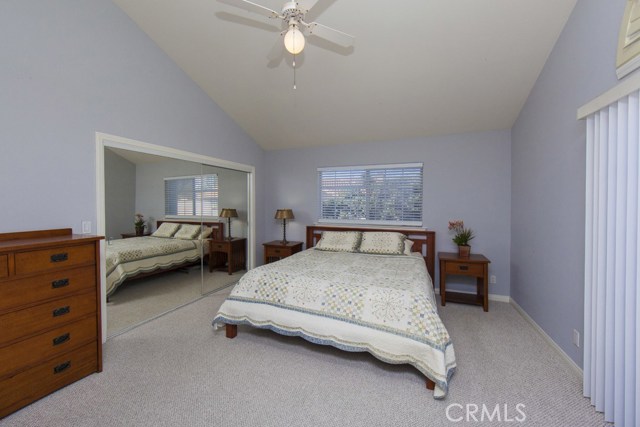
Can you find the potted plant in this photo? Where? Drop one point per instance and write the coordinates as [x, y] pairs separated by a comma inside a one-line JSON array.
[[462, 237], [139, 224]]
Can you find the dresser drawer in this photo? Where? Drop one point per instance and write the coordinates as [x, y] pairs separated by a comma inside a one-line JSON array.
[[55, 258], [32, 320], [21, 292], [47, 345], [23, 388], [466, 269], [4, 265]]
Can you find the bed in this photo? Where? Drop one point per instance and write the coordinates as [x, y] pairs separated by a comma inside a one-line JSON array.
[[144, 256], [379, 303]]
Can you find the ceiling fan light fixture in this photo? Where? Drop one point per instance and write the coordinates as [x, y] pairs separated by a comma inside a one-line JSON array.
[[294, 40]]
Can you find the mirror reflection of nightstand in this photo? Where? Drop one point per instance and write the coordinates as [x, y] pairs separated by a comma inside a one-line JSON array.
[[232, 252]]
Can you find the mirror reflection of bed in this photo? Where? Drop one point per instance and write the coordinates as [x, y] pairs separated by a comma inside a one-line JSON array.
[[172, 270]]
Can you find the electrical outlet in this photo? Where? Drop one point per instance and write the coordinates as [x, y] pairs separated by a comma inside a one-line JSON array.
[[86, 227], [576, 338], [492, 279]]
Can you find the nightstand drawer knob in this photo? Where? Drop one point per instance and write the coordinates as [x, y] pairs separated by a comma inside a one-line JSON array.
[[463, 267], [276, 251]]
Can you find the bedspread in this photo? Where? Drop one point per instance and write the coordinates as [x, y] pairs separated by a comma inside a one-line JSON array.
[[384, 305], [128, 257]]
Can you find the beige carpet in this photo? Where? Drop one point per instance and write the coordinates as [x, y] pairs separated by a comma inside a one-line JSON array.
[[177, 371], [137, 301]]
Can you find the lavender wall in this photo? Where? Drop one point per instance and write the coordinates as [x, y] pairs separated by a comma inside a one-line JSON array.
[[548, 172], [71, 68], [466, 177]]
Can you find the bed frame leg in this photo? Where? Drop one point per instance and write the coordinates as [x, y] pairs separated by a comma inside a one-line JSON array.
[[430, 384], [231, 330]]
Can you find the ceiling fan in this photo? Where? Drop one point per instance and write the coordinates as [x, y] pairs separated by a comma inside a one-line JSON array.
[[292, 16]]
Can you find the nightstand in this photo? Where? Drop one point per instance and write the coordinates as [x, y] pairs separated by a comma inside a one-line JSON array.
[[276, 250], [129, 235], [232, 252], [477, 266]]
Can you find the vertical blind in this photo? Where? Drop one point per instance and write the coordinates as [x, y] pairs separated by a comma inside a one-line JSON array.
[[612, 258], [383, 194], [189, 196]]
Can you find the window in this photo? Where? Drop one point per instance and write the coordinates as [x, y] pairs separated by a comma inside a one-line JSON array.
[[383, 194], [191, 196]]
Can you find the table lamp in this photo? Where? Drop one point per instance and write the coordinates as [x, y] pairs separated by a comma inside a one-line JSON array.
[[284, 215], [229, 213]]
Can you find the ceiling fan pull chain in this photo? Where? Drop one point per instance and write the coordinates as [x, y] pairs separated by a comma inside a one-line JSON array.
[[294, 72]]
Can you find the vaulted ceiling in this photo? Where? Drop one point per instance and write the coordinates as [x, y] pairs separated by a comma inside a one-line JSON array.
[[418, 67]]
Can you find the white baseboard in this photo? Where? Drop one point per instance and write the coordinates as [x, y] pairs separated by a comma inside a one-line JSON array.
[[573, 365]]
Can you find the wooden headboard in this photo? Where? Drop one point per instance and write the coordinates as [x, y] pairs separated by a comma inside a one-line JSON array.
[[423, 241], [216, 234]]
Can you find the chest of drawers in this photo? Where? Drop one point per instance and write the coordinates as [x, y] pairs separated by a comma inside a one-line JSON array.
[[50, 331]]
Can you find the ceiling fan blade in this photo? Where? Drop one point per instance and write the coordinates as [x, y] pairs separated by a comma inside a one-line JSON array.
[[276, 54], [327, 33], [306, 5], [252, 7]]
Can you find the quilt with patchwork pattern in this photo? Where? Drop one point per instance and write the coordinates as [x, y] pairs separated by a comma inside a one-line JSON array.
[[128, 257], [382, 304]]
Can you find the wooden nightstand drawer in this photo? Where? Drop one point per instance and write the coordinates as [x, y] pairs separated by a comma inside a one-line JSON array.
[[216, 246], [466, 269], [277, 251]]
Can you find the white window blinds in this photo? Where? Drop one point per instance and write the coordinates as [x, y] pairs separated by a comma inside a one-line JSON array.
[[383, 194], [191, 196]]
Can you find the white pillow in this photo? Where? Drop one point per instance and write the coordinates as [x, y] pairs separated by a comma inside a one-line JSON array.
[[166, 229], [206, 232], [382, 242], [187, 232], [339, 241], [408, 245]]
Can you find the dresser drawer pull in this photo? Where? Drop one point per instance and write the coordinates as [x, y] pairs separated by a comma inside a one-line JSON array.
[[61, 311], [60, 283], [276, 251], [59, 257], [463, 267], [61, 339], [62, 367]]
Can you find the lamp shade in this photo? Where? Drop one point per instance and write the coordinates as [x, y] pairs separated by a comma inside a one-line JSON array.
[[284, 214], [228, 213]]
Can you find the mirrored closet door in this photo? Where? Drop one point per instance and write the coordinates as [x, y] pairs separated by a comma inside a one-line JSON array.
[[168, 262]]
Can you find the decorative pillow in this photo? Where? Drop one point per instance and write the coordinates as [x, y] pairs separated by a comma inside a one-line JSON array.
[[339, 241], [382, 242], [166, 229], [187, 232], [408, 244], [206, 232]]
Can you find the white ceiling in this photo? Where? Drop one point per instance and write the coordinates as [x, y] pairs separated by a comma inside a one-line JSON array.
[[418, 68]]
